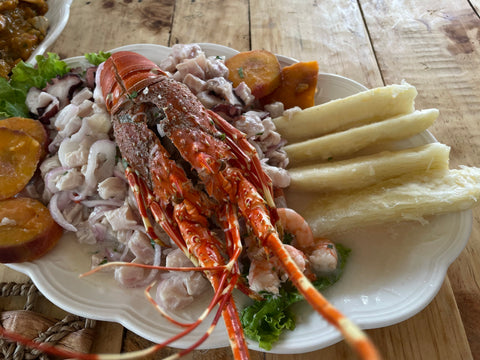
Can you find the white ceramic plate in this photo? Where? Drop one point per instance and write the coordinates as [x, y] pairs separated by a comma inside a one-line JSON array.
[[57, 15], [392, 274]]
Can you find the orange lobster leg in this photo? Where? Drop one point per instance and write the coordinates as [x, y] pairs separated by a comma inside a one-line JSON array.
[[201, 242], [246, 156]]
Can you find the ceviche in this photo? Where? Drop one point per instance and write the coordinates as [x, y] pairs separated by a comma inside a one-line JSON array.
[[84, 182], [22, 27]]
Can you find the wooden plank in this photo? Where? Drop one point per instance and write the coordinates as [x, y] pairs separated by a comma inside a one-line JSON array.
[[146, 21], [432, 334], [225, 23], [333, 34], [108, 338], [438, 51], [464, 274], [135, 342], [476, 5]]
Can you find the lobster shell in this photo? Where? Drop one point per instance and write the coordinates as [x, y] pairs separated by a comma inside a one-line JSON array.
[[126, 70]]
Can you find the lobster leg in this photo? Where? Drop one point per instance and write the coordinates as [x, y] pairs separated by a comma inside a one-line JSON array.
[[246, 157], [139, 189], [205, 245]]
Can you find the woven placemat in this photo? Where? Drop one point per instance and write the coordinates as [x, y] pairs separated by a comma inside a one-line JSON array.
[[72, 332]]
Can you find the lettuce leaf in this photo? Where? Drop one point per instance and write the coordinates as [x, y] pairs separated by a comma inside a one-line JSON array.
[[97, 58], [264, 321], [13, 93], [12, 101], [24, 76]]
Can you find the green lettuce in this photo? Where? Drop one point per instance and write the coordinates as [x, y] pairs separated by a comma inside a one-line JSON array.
[[264, 321], [12, 100], [13, 93]]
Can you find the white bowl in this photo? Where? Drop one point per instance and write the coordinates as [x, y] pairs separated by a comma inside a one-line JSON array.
[[57, 15]]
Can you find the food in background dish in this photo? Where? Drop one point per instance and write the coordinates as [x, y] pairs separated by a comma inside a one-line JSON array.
[[22, 27]]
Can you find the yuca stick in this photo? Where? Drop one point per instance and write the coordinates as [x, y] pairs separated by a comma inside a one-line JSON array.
[[336, 115], [409, 197], [367, 170], [330, 147]]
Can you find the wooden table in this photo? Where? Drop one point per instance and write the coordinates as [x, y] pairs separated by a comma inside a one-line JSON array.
[[434, 45]]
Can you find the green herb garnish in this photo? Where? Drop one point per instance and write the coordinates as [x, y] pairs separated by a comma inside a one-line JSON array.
[[240, 73]]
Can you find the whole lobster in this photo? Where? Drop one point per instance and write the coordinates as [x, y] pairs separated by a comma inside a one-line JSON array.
[[188, 167]]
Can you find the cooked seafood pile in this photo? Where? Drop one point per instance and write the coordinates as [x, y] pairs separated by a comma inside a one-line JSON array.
[[85, 184]]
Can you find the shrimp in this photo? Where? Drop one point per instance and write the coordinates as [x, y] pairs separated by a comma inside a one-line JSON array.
[[266, 272], [321, 253]]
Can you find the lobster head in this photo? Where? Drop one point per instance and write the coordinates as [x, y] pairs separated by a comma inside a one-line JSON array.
[[124, 75]]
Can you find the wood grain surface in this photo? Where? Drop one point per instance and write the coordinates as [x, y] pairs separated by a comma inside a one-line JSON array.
[[434, 45]]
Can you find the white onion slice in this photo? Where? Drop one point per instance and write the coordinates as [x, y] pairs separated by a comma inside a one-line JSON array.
[[55, 205], [51, 176], [102, 202]]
